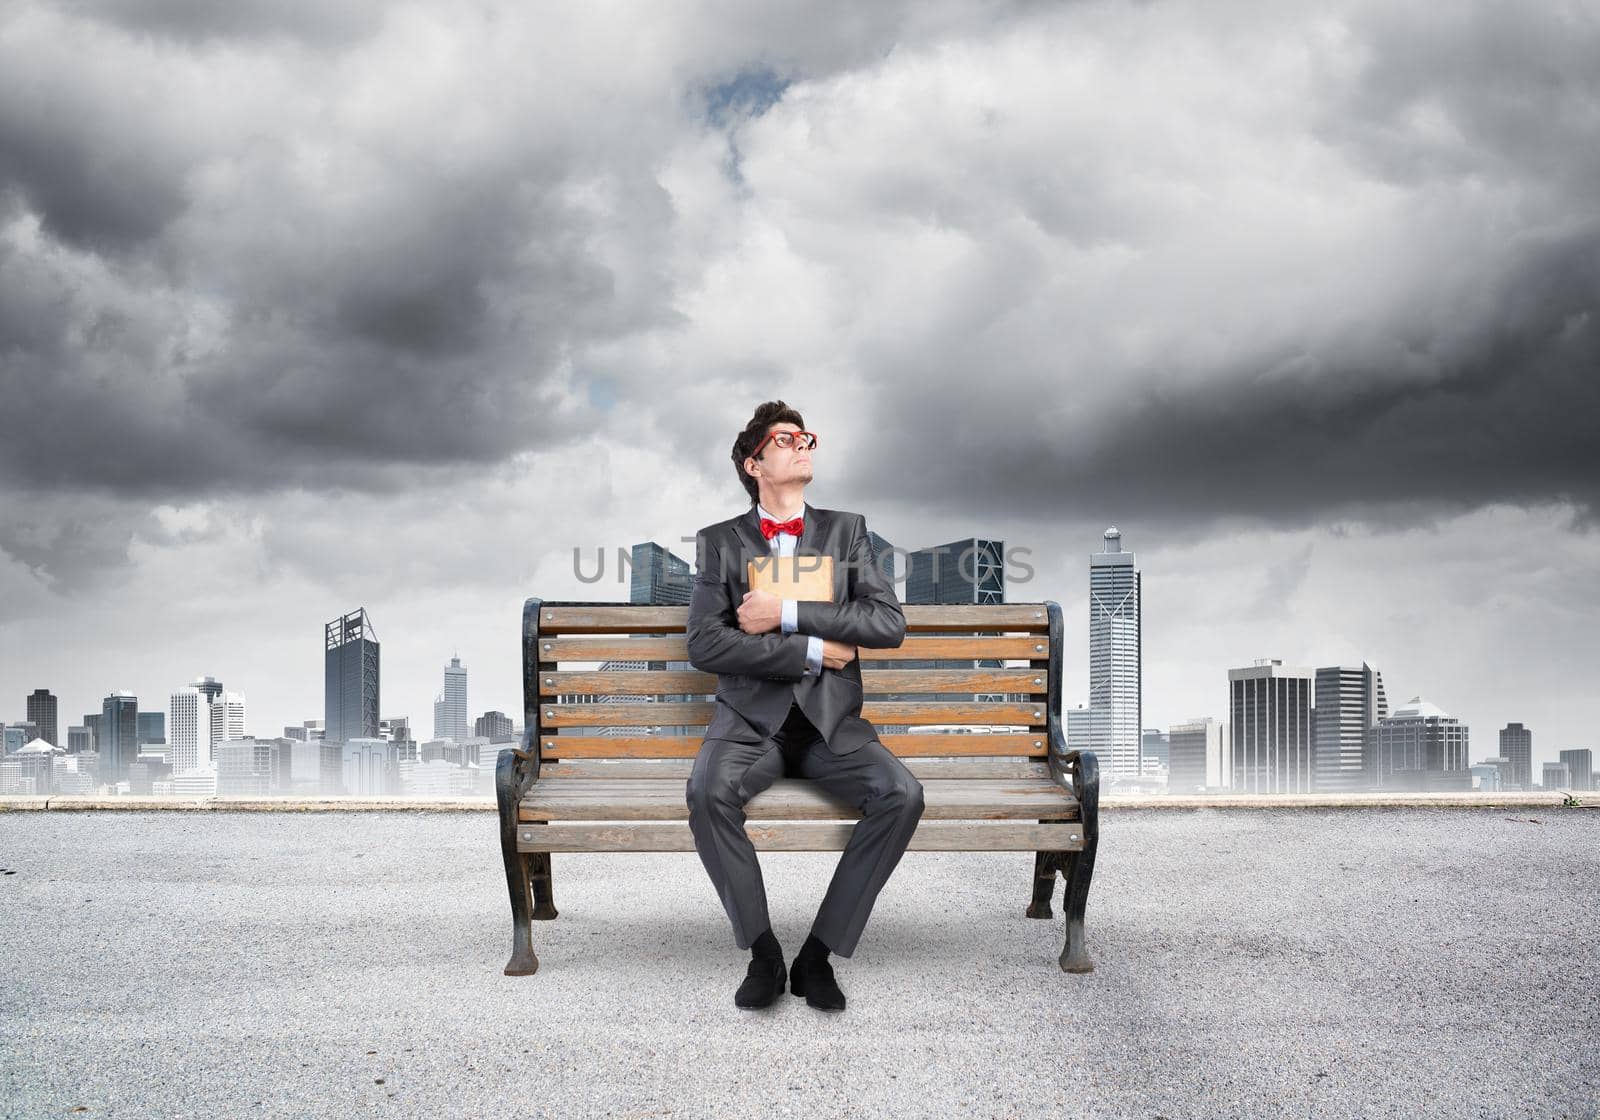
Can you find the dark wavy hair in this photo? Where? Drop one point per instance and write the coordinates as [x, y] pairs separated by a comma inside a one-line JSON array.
[[766, 415]]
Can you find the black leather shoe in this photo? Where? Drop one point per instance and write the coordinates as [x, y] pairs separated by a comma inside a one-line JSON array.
[[814, 980], [763, 982]]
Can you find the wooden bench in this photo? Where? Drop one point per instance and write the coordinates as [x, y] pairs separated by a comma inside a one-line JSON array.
[[606, 753]]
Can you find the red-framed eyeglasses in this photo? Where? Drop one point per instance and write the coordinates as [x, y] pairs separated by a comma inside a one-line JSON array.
[[787, 439]]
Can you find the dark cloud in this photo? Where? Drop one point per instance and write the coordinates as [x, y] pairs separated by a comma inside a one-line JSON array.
[[1506, 413], [316, 22]]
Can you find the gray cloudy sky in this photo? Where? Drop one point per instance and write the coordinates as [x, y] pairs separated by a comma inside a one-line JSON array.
[[305, 307]]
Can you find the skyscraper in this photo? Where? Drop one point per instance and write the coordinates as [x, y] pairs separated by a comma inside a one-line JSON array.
[[971, 570], [152, 727], [450, 707], [350, 678], [209, 687], [493, 726], [1350, 701], [1420, 747], [42, 714], [1580, 764], [1270, 713], [189, 745], [1516, 745], [1116, 652], [227, 717], [119, 736], [658, 576]]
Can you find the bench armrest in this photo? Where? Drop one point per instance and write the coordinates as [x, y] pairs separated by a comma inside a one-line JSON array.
[[515, 769], [1080, 770]]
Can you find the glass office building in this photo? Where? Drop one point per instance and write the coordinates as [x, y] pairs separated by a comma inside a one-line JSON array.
[[350, 679], [1116, 654]]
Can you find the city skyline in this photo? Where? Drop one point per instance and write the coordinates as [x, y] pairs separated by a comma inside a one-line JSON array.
[[357, 631]]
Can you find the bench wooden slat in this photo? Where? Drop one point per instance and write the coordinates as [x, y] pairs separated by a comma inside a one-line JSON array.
[[693, 712], [677, 769], [600, 799], [692, 682], [675, 647], [801, 836], [628, 618], [905, 745]]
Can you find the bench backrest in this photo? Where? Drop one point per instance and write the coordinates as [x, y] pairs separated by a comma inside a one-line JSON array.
[[613, 681]]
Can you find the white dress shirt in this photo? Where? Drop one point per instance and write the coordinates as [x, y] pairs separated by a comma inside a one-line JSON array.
[[783, 544]]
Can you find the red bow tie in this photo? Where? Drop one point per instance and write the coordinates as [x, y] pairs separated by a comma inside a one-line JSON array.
[[771, 528]]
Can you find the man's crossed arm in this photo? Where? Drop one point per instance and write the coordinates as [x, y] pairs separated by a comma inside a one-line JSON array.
[[870, 617]]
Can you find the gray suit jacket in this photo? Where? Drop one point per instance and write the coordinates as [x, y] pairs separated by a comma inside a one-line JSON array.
[[760, 675]]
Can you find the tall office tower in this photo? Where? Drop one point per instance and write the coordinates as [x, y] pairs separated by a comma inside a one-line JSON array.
[[1420, 748], [79, 740], [209, 687], [965, 571], [450, 706], [227, 717], [1556, 776], [1580, 763], [1516, 744], [119, 736], [494, 726], [190, 726], [658, 577], [1199, 756], [1350, 701], [1115, 651], [42, 713], [1270, 716], [92, 722], [350, 678], [152, 727]]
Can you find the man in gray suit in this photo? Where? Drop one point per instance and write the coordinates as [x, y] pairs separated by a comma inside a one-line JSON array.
[[789, 703]]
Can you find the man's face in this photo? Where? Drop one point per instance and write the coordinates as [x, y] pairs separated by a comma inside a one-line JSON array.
[[781, 465]]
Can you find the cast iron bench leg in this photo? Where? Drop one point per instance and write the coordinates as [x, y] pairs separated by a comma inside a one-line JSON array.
[[1078, 867], [1044, 883], [544, 903], [1079, 870], [513, 772]]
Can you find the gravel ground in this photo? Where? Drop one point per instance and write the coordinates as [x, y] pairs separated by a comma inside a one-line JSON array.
[[1283, 963]]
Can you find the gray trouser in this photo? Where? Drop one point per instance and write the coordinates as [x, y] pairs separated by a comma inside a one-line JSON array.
[[727, 774]]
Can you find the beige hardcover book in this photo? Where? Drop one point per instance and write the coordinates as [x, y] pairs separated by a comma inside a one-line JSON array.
[[793, 577]]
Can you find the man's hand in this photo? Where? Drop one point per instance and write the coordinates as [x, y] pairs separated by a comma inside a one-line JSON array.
[[760, 612], [836, 655]]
